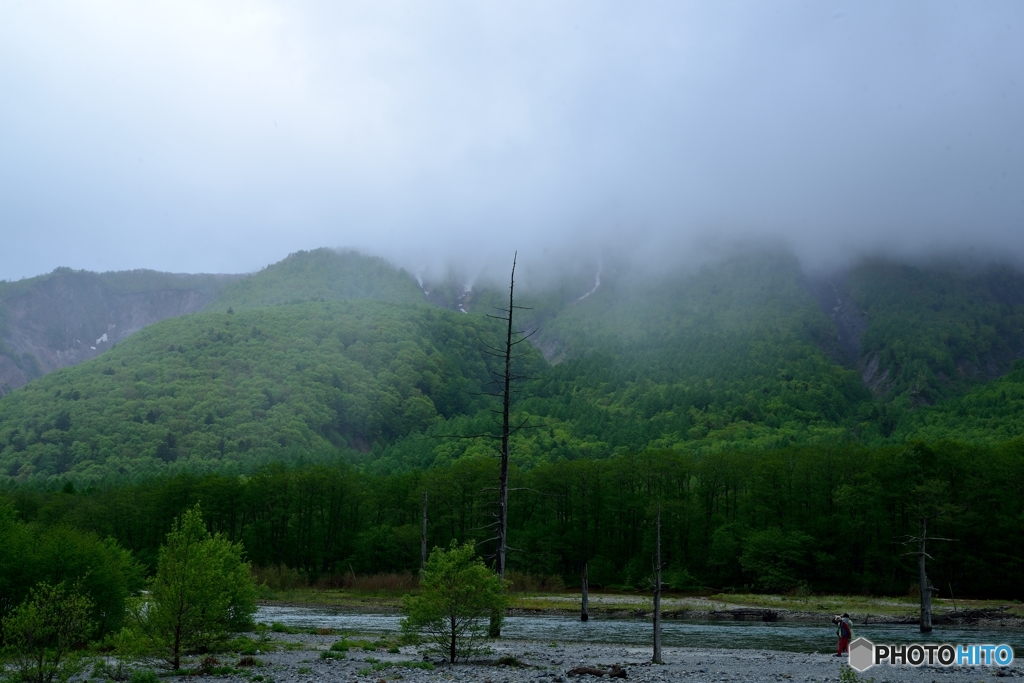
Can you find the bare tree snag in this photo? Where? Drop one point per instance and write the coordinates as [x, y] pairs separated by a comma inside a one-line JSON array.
[[926, 589], [656, 659], [922, 576], [585, 607], [494, 629], [423, 536]]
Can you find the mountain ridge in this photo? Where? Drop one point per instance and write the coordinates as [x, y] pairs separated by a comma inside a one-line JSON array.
[[746, 353]]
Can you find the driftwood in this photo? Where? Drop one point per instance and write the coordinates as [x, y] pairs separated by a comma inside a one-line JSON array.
[[968, 615], [734, 614], [615, 672], [745, 614]]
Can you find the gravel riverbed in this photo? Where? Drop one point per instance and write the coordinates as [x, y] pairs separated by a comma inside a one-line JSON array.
[[298, 661]]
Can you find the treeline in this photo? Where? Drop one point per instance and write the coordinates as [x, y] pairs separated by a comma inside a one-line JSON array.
[[803, 519], [54, 553]]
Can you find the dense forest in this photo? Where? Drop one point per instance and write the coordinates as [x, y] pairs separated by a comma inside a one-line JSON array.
[[793, 428], [814, 519]]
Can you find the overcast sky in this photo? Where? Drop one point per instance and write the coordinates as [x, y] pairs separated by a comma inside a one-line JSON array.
[[219, 136]]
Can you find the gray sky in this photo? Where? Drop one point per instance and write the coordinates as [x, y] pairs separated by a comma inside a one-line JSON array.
[[218, 136]]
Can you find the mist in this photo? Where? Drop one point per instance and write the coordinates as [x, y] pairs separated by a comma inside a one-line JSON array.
[[220, 136]]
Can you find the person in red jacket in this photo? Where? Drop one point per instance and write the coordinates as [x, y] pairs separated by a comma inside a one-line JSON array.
[[845, 632]]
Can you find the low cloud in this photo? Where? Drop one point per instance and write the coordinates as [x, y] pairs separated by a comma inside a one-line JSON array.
[[199, 136]]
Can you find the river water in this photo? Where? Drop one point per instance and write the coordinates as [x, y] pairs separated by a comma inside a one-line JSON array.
[[790, 636]]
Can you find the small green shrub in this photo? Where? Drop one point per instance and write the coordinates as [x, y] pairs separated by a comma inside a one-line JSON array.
[[245, 645], [458, 594], [848, 675], [332, 654], [144, 676], [509, 661], [211, 666], [117, 670]]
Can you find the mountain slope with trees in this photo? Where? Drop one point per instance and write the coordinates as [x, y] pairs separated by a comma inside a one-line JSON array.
[[218, 390], [740, 354], [937, 331], [321, 275], [66, 317]]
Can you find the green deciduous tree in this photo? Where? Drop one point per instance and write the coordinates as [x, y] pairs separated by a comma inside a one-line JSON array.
[[202, 590], [41, 632], [458, 594]]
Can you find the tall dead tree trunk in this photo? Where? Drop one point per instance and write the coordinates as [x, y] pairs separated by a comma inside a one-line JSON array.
[[656, 659], [584, 605], [926, 589], [423, 536], [494, 628], [924, 585]]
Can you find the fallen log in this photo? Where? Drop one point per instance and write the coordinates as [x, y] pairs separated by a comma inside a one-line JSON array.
[[745, 614], [615, 672], [585, 671]]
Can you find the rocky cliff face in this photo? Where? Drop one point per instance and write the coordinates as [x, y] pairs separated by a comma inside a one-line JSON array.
[[68, 316]]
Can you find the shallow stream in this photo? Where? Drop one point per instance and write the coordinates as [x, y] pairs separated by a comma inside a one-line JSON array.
[[789, 636]]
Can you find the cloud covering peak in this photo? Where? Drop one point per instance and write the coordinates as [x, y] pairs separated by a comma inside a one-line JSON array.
[[219, 136]]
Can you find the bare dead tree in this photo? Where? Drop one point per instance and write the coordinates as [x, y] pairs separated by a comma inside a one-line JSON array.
[[584, 604], [423, 536], [924, 584], [504, 379], [656, 659]]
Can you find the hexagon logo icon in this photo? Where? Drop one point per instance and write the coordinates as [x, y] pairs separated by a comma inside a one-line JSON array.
[[862, 654]]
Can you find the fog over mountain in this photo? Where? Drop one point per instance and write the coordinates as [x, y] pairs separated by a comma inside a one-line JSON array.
[[219, 136]]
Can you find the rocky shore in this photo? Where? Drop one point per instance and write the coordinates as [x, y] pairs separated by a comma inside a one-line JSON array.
[[297, 658]]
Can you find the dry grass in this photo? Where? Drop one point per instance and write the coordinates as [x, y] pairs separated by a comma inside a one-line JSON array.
[[392, 583], [279, 578]]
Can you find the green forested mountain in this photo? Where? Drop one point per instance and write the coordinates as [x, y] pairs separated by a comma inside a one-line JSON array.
[[732, 355], [936, 332], [743, 354], [792, 427], [321, 274], [217, 390], [69, 316], [990, 414]]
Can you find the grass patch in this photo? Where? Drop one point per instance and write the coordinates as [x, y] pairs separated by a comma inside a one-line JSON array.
[[244, 645], [333, 654]]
